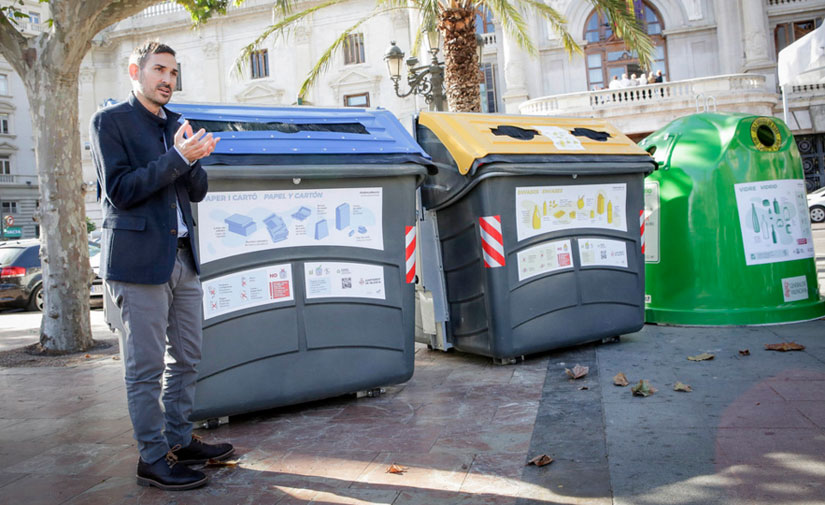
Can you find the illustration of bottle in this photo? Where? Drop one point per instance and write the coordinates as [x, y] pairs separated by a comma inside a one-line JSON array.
[[544, 210], [786, 213], [600, 203], [754, 219], [609, 211], [580, 202], [773, 234], [775, 206], [764, 228], [536, 218]]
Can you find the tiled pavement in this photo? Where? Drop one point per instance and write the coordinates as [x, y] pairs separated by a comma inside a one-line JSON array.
[[751, 432]]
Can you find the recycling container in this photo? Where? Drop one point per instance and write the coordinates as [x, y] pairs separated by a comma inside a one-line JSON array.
[[303, 243], [531, 235], [728, 237]]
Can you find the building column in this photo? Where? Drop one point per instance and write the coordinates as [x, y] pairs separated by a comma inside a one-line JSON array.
[[515, 83], [728, 37], [754, 25]]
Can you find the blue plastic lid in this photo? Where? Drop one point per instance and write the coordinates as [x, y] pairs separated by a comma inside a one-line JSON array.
[[258, 130]]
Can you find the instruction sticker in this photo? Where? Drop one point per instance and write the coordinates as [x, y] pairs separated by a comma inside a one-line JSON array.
[[545, 257], [561, 138], [247, 288], [795, 288], [344, 280], [651, 221], [773, 217], [602, 252], [238, 222], [544, 209]]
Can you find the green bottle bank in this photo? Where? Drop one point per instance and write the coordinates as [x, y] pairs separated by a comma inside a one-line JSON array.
[[727, 233]]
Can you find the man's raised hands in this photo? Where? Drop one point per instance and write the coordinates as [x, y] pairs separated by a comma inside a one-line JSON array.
[[194, 146]]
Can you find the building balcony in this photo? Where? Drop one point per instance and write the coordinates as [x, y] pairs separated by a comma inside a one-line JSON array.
[[639, 110], [18, 180]]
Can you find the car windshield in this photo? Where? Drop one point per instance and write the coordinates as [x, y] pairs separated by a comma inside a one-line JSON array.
[[9, 254]]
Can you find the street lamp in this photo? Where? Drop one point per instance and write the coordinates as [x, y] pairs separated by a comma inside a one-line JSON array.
[[424, 80]]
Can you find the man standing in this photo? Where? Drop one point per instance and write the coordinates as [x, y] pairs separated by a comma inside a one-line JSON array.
[[148, 173]]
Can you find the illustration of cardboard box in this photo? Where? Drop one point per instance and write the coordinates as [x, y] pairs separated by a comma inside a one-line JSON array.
[[240, 224]]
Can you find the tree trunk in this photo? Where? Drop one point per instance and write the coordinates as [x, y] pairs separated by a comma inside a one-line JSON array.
[[64, 254], [462, 75]]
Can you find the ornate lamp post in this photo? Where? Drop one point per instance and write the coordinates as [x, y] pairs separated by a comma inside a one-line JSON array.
[[424, 80]]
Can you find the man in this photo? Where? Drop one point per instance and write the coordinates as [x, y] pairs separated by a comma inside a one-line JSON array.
[[615, 84], [148, 173], [659, 77]]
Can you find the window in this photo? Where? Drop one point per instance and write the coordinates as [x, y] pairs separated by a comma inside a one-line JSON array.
[[359, 100], [4, 124], [4, 84], [489, 93], [9, 208], [259, 62], [607, 55], [5, 165], [179, 82], [484, 21], [34, 18], [354, 49], [787, 33]]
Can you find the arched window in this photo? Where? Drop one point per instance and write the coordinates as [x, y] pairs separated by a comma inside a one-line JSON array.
[[606, 54], [484, 20]]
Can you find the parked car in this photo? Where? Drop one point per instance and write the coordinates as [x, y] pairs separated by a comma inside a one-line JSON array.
[[816, 205], [21, 282]]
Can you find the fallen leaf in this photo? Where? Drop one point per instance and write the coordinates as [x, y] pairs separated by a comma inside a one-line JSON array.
[[784, 346], [745, 352], [396, 469], [682, 387], [116, 358], [578, 371], [583, 388], [701, 357], [620, 379], [213, 463], [542, 460], [643, 388]]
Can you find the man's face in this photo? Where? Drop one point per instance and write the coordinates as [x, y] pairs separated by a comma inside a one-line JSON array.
[[157, 79]]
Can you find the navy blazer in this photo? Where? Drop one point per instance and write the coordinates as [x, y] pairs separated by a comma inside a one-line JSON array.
[[138, 179]]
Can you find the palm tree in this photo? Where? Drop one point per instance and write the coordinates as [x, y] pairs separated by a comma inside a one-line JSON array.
[[455, 20]]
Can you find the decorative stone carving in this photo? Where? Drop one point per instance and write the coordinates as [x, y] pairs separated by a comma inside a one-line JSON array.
[[87, 75], [261, 92], [694, 9], [210, 50]]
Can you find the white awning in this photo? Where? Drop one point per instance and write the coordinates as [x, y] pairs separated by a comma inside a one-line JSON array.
[[803, 62]]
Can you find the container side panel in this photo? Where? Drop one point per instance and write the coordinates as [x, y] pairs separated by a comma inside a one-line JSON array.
[[247, 338], [543, 296], [610, 286], [290, 379], [354, 325]]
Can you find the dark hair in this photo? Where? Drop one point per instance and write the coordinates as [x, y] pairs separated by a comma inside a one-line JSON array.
[[142, 52]]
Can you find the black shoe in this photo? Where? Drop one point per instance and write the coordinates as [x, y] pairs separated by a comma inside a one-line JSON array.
[[168, 475], [199, 452]]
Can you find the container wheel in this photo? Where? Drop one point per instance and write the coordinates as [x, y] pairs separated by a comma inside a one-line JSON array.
[[817, 214]]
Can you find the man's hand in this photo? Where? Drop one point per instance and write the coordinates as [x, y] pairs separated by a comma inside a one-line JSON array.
[[194, 146]]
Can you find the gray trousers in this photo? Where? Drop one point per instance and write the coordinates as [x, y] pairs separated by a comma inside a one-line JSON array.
[[161, 337]]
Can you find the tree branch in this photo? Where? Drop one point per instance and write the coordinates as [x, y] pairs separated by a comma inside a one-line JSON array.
[[13, 45], [103, 13]]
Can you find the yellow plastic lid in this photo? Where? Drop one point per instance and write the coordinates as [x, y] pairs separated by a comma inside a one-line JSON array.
[[471, 136]]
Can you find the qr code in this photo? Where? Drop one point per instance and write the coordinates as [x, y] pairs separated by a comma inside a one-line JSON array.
[[346, 282]]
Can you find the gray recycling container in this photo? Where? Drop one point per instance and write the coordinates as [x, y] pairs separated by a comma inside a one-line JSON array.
[[302, 239], [537, 225]]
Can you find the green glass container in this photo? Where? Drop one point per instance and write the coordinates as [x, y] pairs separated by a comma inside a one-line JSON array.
[[727, 235]]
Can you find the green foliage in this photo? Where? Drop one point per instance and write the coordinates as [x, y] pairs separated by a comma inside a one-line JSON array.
[[202, 10], [90, 225]]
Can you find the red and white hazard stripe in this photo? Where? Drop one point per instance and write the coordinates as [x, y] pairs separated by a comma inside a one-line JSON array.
[[409, 239], [642, 227], [492, 242]]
